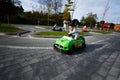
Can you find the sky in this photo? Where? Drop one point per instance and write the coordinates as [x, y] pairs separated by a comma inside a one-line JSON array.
[[83, 7]]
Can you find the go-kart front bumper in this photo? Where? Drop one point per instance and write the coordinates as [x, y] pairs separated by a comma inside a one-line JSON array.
[[60, 50]]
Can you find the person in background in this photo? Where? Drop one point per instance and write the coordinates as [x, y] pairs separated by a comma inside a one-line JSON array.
[[84, 29], [65, 25], [95, 26], [54, 27]]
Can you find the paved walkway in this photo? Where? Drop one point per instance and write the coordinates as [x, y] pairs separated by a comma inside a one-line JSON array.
[[99, 61]]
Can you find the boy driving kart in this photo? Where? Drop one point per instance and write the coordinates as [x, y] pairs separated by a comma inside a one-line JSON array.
[[73, 32]]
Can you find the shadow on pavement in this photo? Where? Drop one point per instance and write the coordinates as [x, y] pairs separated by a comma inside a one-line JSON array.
[[88, 49]]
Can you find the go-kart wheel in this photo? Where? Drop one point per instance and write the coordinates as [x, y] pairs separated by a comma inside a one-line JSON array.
[[69, 35], [72, 49], [54, 47], [83, 45]]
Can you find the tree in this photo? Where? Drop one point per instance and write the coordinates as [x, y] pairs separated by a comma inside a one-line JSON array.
[[82, 21], [66, 15], [67, 9], [56, 6], [52, 7], [90, 20], [9, 8]]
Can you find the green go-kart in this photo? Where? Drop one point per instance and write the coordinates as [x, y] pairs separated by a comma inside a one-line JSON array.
[[67, 44]]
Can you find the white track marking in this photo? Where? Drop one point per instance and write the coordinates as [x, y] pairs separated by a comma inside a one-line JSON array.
[[102, 47], [99, 41], [23, 47], [31, 37], [2, 34], [49, 48]]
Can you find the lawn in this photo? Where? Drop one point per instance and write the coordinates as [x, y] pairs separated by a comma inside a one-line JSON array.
[[8, 28], [46, 27], [55, 33]]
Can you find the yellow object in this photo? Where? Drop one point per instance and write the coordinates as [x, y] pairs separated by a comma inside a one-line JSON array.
[[117, 27]]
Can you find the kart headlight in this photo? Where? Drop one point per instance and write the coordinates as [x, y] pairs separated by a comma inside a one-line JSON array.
[[65, 47]]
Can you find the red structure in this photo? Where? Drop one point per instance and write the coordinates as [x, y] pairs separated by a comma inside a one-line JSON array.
[[106, 25]]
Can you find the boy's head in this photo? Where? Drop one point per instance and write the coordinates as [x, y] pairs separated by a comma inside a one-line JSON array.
[[71, 26]]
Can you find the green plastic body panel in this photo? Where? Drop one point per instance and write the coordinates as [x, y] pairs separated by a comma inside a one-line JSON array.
[[65, 43]]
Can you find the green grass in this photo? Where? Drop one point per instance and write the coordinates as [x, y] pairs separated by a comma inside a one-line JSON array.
[[101, 31], [55, 33], [46, 27], [8, 28]]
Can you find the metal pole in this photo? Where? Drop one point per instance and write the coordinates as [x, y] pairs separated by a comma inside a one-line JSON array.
[[74, 6], [8, 19], [48, 18]]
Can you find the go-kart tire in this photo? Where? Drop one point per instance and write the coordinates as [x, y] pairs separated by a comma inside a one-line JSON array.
[[60, 29], [72, 49], [83, 45], [55, 48]]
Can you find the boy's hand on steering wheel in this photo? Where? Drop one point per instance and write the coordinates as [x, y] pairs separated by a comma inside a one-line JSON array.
[[69, 34]]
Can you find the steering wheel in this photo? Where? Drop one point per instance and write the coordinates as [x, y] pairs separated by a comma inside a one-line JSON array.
[[71, 35]]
